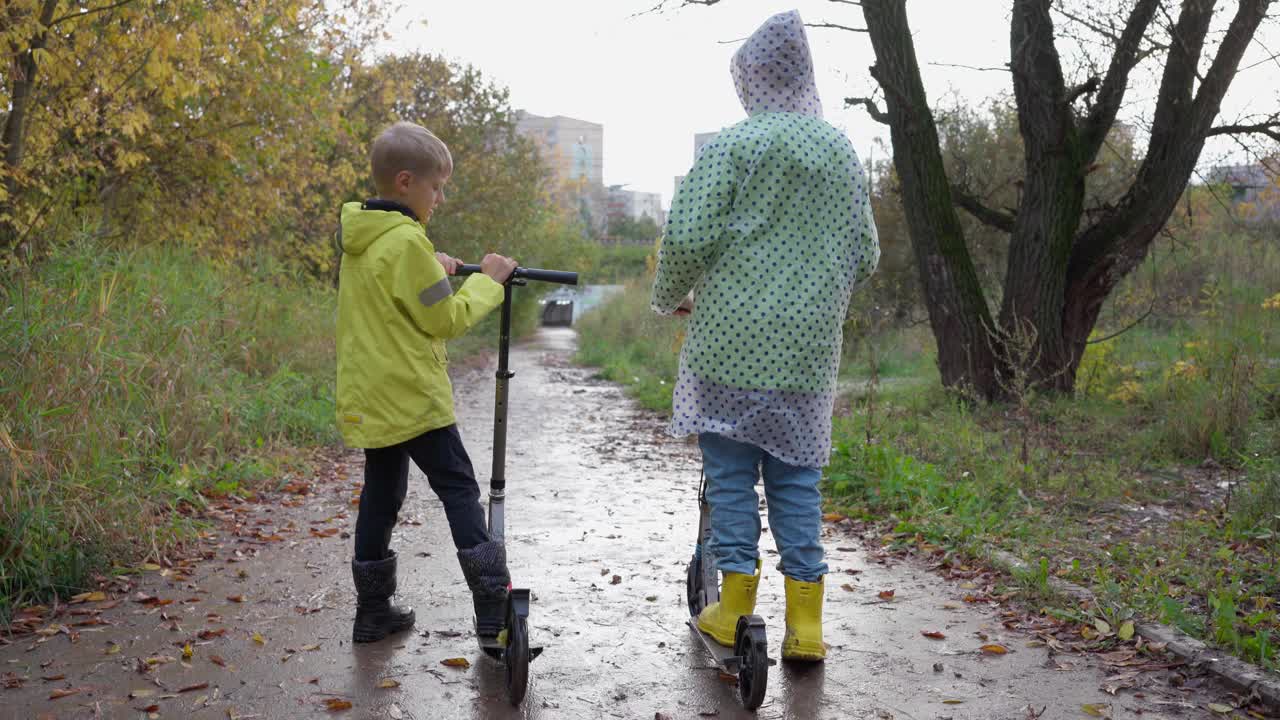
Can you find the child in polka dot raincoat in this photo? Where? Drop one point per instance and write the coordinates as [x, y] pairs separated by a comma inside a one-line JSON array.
[[768, 236]]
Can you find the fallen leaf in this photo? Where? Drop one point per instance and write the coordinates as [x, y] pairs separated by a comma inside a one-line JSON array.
[[456, 662], [847, 587], [615, 580], [1118, 657], [141, 693], [152, 708], [150, 566], [1220, 708], [197, 686], [388, 683], [833, 517], [327, 532], [211, 634], [112, 649], [395, 713], [12, 681], [187, 652], [887, 594], [952, 702], [217, 660], [995, 649], [53, 678], [236, 598], [1102, 626], [651, 598], [1126, 630], [933, 635], [337, 704], [1097, 710], [311, 648], [257, 637], [63, 692]]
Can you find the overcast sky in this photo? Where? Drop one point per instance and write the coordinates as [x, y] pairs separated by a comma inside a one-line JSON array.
[[654, 79]]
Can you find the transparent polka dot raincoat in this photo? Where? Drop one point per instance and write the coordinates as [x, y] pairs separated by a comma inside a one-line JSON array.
[[771, 231]]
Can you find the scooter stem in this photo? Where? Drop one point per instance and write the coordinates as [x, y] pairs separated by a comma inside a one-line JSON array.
[[498, 478]]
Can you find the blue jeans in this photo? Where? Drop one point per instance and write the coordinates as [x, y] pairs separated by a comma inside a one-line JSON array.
[[795, 508]]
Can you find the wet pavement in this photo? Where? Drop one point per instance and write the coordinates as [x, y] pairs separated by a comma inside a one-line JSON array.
[[601, 517]]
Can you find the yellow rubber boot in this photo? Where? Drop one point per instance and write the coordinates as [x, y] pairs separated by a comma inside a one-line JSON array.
[[737, 598], [803, 640]]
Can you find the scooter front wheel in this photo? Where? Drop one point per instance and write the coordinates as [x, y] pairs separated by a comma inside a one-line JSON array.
[[693, 585], [751, 645], [516, 657]]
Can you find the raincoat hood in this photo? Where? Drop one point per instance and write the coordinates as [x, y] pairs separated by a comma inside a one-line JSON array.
[[360, 227], [773, 70]]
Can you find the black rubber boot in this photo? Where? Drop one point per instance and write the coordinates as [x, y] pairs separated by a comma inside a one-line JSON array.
[[376, 617], [485, 568]]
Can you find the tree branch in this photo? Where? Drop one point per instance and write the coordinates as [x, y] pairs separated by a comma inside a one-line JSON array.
[[998, 219], [1225, 66], [834, 26], [971, 67], [1270, 128], [872, 109], [1174, 100], [87, 13], [1088, 87], [1123, 60]]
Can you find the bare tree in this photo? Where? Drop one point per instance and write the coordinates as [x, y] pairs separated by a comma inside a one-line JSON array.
[[1063, 261]]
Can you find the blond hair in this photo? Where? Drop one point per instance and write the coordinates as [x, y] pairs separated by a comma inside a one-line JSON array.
[[407, 146]]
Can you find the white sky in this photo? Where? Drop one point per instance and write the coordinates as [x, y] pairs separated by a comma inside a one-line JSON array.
[[653, 80]]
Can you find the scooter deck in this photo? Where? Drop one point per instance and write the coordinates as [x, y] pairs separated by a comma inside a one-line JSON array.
[[724, 656], [495, 649]]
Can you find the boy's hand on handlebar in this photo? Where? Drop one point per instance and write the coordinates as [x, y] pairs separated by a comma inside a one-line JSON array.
[[497, 267], [451, 264], [686, 306]]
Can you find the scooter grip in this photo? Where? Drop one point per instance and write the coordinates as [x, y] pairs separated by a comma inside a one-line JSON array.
[[560, 277]]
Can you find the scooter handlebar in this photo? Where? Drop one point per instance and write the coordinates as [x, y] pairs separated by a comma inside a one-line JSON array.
[[522, 273]]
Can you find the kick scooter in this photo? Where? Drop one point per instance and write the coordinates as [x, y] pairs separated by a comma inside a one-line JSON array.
[[749, 657], [510, 648]]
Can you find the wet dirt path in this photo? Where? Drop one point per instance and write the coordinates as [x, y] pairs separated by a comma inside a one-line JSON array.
[[595, 490]]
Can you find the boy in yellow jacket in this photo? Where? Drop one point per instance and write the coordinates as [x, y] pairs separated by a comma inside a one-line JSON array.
[[396, 309]]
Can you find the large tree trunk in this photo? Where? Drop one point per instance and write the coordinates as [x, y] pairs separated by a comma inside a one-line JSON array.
[[23, 83], [1052, 203], [958, 311]]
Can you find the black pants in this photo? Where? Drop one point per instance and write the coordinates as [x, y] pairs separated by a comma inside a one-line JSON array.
[[440, 455]]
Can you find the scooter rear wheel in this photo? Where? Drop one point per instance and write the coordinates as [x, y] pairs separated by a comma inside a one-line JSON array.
[[693, 586], [516, 658], [751, 645]]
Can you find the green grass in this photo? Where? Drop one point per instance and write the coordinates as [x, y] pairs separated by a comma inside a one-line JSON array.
[[633, 346]]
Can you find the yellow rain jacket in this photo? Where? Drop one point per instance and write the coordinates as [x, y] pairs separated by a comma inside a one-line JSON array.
[[396, 309]]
